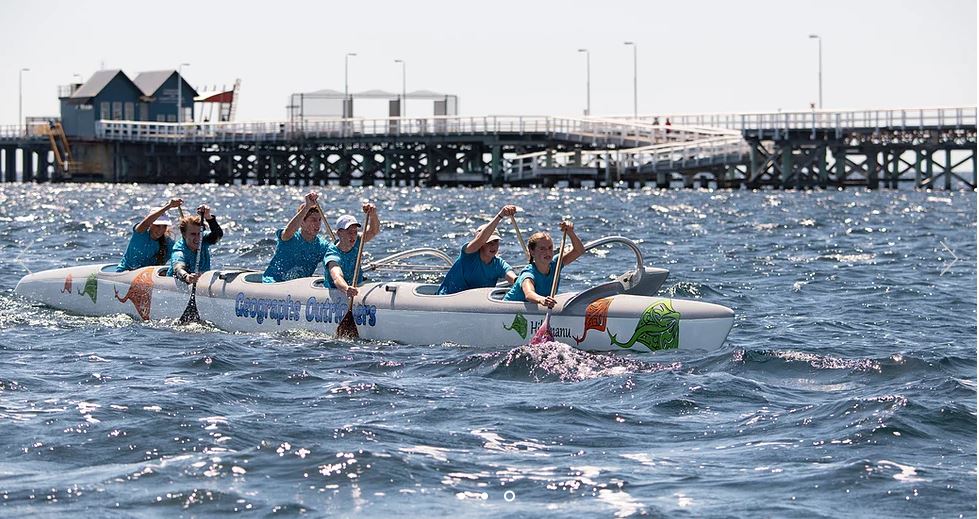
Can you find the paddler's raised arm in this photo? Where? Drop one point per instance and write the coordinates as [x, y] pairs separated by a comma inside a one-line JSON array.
[[374, 223], [215, 233], [489, 229], [144, 225], [309, 202], [577, 248]]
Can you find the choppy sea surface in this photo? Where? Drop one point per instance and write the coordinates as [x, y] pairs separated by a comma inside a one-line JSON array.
[[847, 386]]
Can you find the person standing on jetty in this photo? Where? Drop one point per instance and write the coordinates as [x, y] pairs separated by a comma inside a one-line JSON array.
[[185, 251], [341, 257], [537, 277], [298, 254], [478, 266], [150, 243]]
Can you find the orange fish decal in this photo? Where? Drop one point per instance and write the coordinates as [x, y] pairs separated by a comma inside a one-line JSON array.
[[67, 288], [596, 317], [140, 292]]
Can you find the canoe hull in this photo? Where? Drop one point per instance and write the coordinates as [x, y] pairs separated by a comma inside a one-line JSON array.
[[399, 311]]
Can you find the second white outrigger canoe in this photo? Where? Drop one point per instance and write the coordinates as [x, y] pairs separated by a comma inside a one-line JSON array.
[[622, 314]]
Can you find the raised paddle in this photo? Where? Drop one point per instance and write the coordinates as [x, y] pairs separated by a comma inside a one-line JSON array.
[[329, 230], [543, 333], [516, 228], [347, 329], [191, 315]]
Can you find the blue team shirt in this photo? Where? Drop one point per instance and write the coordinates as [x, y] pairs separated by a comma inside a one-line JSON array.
[[295, 258], [469, 271], [346, 260], [183, 254], [542, 283], [142, 251]]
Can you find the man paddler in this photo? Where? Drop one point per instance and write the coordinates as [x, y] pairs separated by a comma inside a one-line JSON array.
[[478, 265], [341, 257], [191, 243], [298, 253]]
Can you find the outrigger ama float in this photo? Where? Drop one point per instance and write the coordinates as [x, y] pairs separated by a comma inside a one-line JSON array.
[[620, 314]]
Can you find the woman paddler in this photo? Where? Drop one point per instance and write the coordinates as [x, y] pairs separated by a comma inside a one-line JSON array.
[[478, 266], [150, 244], [298, 254], [185, 251], [341, 257], [534, 282]]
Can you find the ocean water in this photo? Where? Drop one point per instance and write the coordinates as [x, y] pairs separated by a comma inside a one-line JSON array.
[[847, 386]]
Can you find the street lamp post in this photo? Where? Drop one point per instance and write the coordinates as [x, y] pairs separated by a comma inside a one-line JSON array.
[[346, 83], [587, 81], [20, 96], [820, 42], [635, 79], [180, 91], [404, 91]]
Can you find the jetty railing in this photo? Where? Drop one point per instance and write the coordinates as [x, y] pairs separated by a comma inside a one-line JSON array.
[[575, 129], [668, 156], [840, 120]]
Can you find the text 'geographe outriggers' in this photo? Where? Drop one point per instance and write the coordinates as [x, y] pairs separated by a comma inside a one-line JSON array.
[[289, 309]]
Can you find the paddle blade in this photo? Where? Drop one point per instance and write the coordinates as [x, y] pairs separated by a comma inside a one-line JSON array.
[[191, 315], [543, 334], [347, 329]]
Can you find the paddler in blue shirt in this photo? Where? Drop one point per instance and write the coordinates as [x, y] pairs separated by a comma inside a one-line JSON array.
[[185, 251], [478, 266], [150, 244], [341, 257], [298, 254], [534, 282]]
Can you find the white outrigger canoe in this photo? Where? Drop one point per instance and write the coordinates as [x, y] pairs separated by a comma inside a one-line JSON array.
[[621, 314]]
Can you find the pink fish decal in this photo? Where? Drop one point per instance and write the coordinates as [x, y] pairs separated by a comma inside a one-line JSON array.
[[140, 292]]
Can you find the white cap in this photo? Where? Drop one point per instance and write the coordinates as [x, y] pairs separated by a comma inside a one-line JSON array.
[[493, 237], [162, 220], [346, 221]]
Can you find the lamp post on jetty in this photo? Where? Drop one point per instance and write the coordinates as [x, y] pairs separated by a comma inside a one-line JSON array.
[[587, 81], [20, 97], [404, 91], [180, 91], [346, 83], [820, 42], [635, 80]]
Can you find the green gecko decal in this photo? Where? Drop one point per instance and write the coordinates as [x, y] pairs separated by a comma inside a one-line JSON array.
[[658, 328], [91, 287], [518, 325]]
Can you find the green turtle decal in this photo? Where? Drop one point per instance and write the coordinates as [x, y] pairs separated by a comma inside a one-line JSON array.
[[658, 328], [518, 325], [91, 287]]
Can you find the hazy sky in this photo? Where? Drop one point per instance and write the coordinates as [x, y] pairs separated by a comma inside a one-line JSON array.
[[507, 57]]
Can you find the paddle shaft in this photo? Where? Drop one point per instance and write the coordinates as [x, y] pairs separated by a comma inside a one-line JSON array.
[[516, 228], [329, 230], [560, 260], [360, 253], [191, 313], [200, 247]]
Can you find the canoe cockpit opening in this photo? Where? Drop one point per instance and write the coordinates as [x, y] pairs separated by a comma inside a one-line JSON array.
[[254, 277], [426, 290]]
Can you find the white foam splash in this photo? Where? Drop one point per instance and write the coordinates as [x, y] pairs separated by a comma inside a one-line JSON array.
[[907, 474], [624, 504], [427, 450]]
